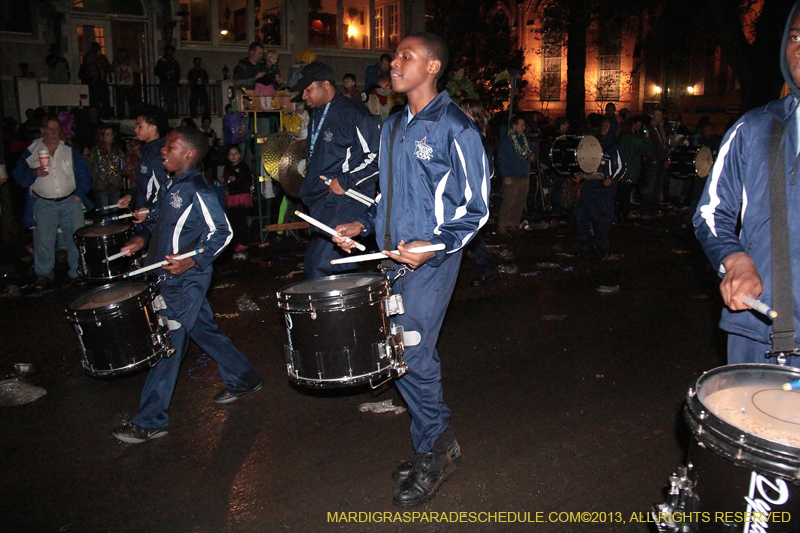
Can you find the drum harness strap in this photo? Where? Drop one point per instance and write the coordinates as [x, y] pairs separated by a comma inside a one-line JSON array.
[[387, 264], [783, 332]]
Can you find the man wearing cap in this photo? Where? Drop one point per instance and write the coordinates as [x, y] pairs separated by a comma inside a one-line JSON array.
[[341, 154]]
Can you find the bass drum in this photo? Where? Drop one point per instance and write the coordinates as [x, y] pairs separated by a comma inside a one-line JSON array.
[[572, 153], [338, 331], [744, 456], [687, 162], [118, 328], [97, 242]]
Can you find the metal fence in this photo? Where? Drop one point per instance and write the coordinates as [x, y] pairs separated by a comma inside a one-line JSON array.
[[177, 100]]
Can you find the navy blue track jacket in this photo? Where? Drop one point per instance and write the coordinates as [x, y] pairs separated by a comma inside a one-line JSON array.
[[150, 174], [186, 216]]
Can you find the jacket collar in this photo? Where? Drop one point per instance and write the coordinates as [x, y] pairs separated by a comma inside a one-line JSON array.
[[189, 174], [435, 108]]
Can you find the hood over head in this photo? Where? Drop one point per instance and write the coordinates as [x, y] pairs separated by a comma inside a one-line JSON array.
[[787, 76]]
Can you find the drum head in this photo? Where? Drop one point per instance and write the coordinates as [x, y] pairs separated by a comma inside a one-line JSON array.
[[590, 154], [331, 285], [703, 162], [104, 228], [753, 401], [108, 295]]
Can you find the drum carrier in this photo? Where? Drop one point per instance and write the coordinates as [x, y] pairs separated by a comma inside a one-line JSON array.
[[339, 333]]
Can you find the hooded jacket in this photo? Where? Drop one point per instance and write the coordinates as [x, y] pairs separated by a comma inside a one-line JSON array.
[[739, 186], [150, 174], [440, 178]]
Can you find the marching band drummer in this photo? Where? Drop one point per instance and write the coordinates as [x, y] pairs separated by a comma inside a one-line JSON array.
[[740, 190], [151, 126], [342, 146], [434, 180], [186, 216]]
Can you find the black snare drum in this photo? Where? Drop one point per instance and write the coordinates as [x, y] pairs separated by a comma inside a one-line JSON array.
[[687, 162], [339, 332], [571, 154], [118, 328], [99, 241], [744, 457]]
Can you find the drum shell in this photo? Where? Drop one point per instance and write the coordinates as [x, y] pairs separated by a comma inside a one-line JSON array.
[[336, 338], [121, 337], [722, 487], [682, 162], [564, 154], [93, 249]]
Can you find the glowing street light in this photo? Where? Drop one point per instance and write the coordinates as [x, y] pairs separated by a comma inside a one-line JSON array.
[[657, 89]]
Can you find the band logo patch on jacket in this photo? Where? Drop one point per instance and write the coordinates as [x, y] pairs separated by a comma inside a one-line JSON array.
[[327, 136], [143, 169], [176, 200], [423, 151]]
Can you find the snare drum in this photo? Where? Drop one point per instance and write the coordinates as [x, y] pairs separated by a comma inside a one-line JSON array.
[[99, 241], [118, 328], [687, 162], [745, 454], [571, 154], [339, 332]]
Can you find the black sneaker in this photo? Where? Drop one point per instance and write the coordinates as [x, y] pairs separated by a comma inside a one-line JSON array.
[[486, 277], [133, 434], [429, 471], [402, 472], [225, 396]]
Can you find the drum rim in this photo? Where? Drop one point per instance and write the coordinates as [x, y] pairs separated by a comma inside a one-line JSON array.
[[125, 226], [147, 290], [378, 280], [742, 447]]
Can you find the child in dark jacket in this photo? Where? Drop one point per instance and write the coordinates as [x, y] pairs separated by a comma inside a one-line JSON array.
[[239, 180]]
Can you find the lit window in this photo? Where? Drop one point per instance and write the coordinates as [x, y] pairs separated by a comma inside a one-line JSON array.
[[268, 21], [322, 24], [355, 29], [232, 21], [196, 21]]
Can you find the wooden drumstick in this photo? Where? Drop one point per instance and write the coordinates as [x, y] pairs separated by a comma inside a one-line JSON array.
[[326, 229], [380, 256], [162, 263], [760, 306], [115, 256]]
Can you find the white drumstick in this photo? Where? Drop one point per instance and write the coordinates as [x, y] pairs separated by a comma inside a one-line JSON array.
[[126, 215], [162, 263], [379, 256], [108, 207], [359, 198], [326, 229], [115, 256], [759, 306]]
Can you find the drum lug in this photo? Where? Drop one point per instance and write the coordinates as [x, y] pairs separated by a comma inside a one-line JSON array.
[[393, 305], [681, 502], [159, 304]]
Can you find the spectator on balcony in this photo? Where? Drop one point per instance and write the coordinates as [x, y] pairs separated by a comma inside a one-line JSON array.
[[94, 72], [169, 75], [57, 66], [198, 79], [126, 76], [383, 66], [251, 68]]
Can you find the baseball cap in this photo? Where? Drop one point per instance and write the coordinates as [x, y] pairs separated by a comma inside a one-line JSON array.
[[312, 72]]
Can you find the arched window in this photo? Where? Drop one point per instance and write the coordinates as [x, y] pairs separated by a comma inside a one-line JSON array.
[[553, 35]]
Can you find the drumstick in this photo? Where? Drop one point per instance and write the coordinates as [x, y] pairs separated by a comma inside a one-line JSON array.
[[791, 386], [379, 256], [759, 306], [116, 256], [326, 229], [108, 207], [162, 263], [126, 215], [360, 198]]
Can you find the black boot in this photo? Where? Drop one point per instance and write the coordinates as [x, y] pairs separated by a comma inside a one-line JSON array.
[[404, 470], [428, 471]]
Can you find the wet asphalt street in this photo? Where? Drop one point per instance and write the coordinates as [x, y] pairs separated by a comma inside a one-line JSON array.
[[564, 399]]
